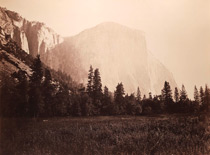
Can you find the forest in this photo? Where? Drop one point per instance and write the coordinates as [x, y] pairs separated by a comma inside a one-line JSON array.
[[47, 93]]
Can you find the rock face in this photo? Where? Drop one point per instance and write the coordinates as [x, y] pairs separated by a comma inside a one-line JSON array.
[[33, 37], [119, 52]]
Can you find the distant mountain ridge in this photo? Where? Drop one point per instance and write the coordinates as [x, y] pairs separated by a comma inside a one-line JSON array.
[[120, 53]]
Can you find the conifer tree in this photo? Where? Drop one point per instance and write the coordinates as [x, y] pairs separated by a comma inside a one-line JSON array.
[[167, 97], [206, 99], [48, 93], [119, 93], [130, 104], [106, 102], [195, 106], [119, 98], [183, 94], [97, 86], [176, 95], [90, 82], [201, 95], [167, 93], [138, 95], [196, 95], [106, 91], [97, 93], [35, 95]]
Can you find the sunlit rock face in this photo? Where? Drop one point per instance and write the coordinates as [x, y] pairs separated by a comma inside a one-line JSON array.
[[119, 52], [33, 37]]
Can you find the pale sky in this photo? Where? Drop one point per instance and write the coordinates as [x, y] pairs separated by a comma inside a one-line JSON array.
[[177, 31]]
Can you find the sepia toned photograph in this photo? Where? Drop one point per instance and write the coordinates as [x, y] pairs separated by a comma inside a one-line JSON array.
[[104, 77]]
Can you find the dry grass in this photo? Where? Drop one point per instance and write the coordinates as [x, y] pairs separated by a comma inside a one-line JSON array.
[[106, 135]]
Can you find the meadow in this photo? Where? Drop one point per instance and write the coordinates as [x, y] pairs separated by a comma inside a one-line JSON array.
[[106, 135]]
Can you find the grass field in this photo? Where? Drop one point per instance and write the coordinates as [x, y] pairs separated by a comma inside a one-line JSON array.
[[106, 135]]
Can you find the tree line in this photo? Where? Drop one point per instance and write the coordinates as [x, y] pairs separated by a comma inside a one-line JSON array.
[[40, 95]]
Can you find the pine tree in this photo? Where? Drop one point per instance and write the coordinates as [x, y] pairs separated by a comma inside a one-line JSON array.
[[138, 95], [167, 97], [35, 95], [106, 102], [183, 94], [97, 86], [90, 82], [201, 95], [48, 93], [196, 95], [167, 93], [97, 93], [206, 99], [130, 104], [119, 93], [119, 98], [37, 74], [60, 106], [195, 106], [106, 92], [176, 95]]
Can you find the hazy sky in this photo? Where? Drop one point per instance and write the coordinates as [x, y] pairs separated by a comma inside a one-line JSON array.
[[177, 31]]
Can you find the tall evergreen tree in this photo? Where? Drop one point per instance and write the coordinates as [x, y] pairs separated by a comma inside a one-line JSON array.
[[35, 95], [119, 93], [183, 94], [206, 99], [195, 104], [60, 106], [167, 96], [106, 102], [176, 95], [106, 91], [196, 94], [138, 95], [97, 86], [166, 92], [130, 104], [201, 95], [90, 82], [97, 93], [48, 93], [119, 98]]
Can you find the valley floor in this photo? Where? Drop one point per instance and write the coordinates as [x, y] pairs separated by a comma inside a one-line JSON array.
[[106, 135]]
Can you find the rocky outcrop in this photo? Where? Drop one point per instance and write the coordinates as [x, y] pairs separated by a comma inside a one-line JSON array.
[[33, 37], [119, 52]]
